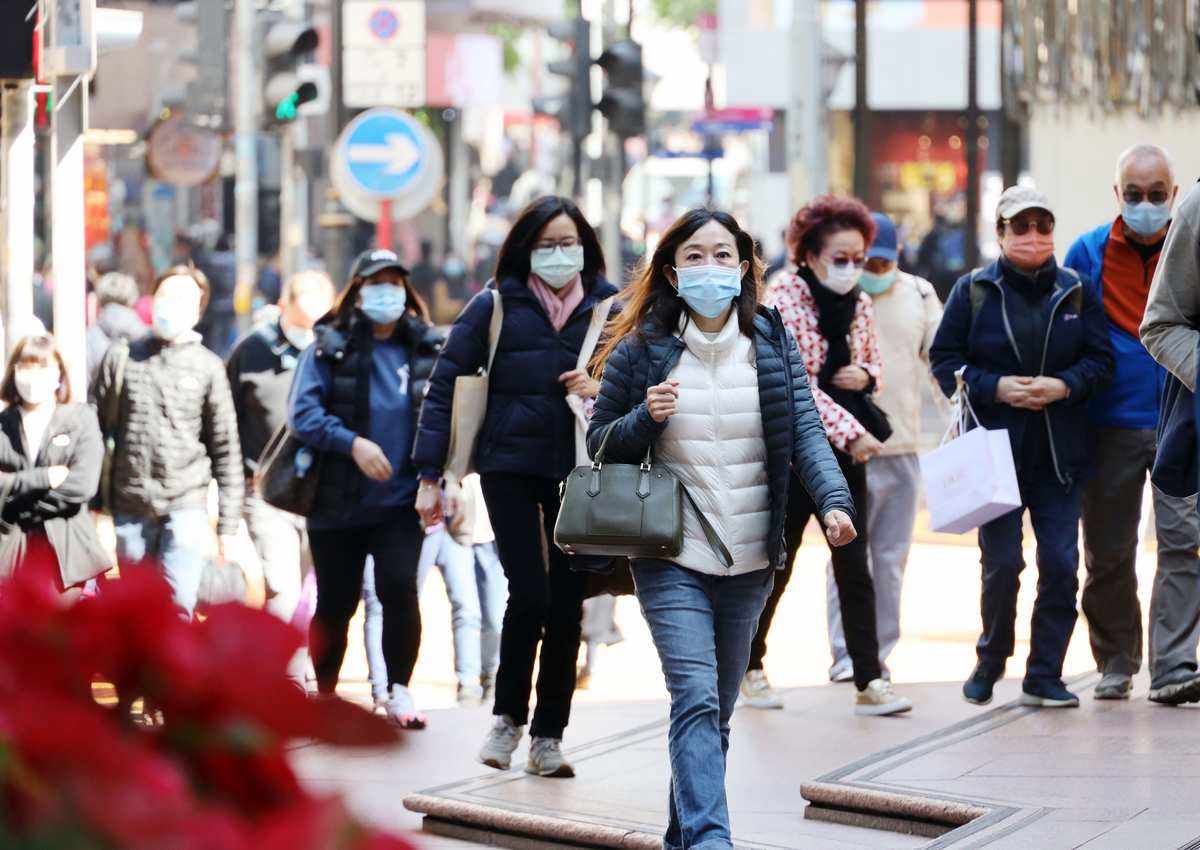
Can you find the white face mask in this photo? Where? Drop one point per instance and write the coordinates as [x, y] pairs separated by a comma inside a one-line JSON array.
[[557, 266], [841, 279], [37, 384], [301, 338], [172, 319]]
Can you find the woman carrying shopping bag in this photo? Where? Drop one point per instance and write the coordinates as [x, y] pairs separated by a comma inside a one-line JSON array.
[[355, 400], [1031, 341], [549, 278], [696, 373], [833, 323]]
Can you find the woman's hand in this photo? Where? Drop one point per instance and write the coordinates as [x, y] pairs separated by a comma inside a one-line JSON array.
[[663, 400], [577, 382], [852, 378], [429, 503], [370, 459], [864, 448], [839, 528], [57, 475]]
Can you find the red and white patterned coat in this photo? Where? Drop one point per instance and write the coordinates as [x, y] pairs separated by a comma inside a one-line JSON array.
[[792, 296]]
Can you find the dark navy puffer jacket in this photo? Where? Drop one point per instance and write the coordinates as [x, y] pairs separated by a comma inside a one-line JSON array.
[[792, 427], [528, 429]]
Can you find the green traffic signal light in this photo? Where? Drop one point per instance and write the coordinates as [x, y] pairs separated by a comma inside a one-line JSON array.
[[286, 110]]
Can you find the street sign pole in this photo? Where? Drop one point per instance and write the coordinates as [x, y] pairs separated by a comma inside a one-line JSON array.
[[383, 227], [16, 208]]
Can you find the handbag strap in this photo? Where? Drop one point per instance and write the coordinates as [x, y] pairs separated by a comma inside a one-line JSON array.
[[963, 413], [494, 327], [710, 533], [600, 313]]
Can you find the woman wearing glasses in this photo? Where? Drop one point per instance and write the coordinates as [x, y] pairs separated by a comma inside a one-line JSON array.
[[1031, 342], [834, 326], [549, 276]]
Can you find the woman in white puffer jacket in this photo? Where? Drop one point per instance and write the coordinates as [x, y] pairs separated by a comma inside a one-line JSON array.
[[714, 384]]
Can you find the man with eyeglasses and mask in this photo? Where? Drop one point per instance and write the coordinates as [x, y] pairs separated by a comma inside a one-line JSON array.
[[1121, 257], [1030, 341]]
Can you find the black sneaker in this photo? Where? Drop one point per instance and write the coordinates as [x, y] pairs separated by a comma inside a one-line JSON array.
[[977, 690], [1184, 688], [1042, 693]]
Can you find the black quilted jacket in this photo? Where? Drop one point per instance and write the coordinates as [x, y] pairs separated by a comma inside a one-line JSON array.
[[177, 431], [792, 427]]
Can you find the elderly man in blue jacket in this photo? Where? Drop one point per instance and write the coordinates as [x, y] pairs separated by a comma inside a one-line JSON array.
[[1029, 340], [1121, 256]]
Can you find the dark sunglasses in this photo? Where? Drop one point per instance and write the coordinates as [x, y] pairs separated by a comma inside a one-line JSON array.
[[1136, 196], [1021, 226], [842, 262]]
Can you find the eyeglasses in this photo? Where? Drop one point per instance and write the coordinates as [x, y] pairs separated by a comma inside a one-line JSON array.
[[569, 242], [1021, 226], [1136, 196], [841, 262]]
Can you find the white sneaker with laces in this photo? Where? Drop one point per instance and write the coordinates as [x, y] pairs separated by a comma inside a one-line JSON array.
[[546, 759], [878, 699], [500, 743], [758, 693]]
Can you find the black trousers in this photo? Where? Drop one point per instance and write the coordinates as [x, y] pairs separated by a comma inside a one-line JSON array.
[[851, 571], [339, 557], [545, 603]]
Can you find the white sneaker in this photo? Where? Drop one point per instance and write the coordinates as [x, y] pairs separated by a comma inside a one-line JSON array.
[[758, 693], [500, 744], [546, 759], [402, 711], [878, 699]]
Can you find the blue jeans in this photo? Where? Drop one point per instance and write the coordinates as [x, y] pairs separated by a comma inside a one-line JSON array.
[[1054, 512], [177, 545], [493, 598], [702, 627]]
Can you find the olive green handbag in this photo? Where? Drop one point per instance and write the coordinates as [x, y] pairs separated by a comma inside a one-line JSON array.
[[627, 510]]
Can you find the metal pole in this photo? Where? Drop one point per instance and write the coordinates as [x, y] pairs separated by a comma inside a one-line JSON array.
[[710, 142], [67, 226], [1010, 108], [16, 208], [334, 220], [287, 204], [862, 113], [247, 104], [614, 166], [458, 186], [816, 133], [971, 136]]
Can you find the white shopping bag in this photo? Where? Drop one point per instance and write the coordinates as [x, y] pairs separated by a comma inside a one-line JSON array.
[[970, 479]]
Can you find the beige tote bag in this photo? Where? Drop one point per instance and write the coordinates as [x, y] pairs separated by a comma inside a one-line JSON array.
[[470, 405], [599, 318]]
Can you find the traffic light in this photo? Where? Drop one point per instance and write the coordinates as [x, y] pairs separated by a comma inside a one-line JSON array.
[[287, 85], [573, 109], [17, 21], [623, 103]]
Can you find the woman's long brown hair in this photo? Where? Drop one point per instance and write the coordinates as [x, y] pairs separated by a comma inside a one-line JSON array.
[[651, 302]]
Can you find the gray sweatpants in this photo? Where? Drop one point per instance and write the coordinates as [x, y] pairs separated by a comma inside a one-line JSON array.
[[894, 484], [1112, 507]]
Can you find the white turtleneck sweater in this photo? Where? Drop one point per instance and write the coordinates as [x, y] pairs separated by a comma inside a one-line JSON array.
[[715, 445]]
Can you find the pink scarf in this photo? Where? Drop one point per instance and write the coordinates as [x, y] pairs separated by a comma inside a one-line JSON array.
[[558, 308]]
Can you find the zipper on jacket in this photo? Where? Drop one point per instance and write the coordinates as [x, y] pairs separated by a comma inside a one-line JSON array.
[[1012, 339], [1042, 371]]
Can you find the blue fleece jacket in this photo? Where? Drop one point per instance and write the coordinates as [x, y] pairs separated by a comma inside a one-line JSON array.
[[1132, 399]]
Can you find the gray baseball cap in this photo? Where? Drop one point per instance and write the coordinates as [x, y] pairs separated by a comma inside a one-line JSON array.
[[1017, 199]]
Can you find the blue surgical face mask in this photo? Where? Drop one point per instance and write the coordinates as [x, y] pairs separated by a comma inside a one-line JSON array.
[[709, 290], [1146, 219], [383, 303], [877, 284]]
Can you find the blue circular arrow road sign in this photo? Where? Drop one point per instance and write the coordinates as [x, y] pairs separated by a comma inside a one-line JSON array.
[[385, 152]]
